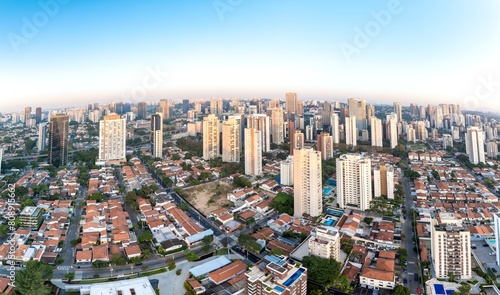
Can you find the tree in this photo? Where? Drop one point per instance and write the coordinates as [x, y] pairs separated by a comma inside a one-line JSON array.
[[176, 157], [206, 243], [30, 281], [283, 203], [98, 197], [412, 175], [190, 255], [242, 181], [401, 290], [70, 275], [322, 270], [146, 236]]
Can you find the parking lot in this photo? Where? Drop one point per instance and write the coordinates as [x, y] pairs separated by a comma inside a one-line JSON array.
[[483, 254]]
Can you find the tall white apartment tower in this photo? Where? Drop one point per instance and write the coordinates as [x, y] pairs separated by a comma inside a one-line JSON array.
[[451, 247], [351, 132], [231, 148], [398, 111], [383, 181], [307, 183], [157, 135], [112, 137], [354, 182], [474, 144], [392, 125], [286, 171], [277, 125], [376, 129], [211, 137], [42, 136], [262, 123], [253, 152], [334, 121]]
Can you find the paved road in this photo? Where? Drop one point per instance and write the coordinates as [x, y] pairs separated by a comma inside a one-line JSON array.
[[413, 261]]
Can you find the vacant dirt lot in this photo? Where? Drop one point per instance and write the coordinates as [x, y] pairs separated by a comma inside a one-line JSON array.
[[208, 197]]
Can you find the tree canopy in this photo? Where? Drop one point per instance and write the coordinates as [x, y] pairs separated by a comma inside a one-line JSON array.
[[283, 203], [323, 271], [30, 281]]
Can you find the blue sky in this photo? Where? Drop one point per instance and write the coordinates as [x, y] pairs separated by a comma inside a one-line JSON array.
[[84, 51]]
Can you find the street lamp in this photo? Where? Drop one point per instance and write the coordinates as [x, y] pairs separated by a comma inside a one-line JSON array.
[[110, 270], [132, 268]]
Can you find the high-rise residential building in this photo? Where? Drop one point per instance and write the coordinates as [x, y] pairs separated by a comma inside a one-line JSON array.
[[276, 278], [325, 145], [300, 108], [157, 135], [422, 112], [422, 132], [392, 129], [262, 123], [492, 149], [231, 140], [286, 171], [38, 115], [296, 141], [383, 181], [277, 125], [42, 136], [357, 108], [451, 247], [211, 137], [447, 141], [351, 131], [335, 128], [165, 108], [58, 140], [253, 152], [411, 135], [376, 132], [257, 103], [370, 113], [474, 145], [398, 110], [354, 182], [414, 110], [325, 243], [112, 137], [142, 110], [439, 116], [291, 102], [307, 183], [27, 116], [217, 106], [185, 105]]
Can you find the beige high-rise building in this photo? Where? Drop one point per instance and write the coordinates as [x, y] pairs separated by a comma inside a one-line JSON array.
[[262, 123], [297, 141], [398, 110], [451, 247], [211, 137], [307, 183], [300, 108], [411, 135], [157, 135], [112, 138], [383, 181], [165, 108], [370, 113], [231, 148], [277, 126], [325, 145], [325, 243], [422, 131], [474, 145], [216, 106], [376, 130], [253, 152], [491, 149], [357, 108], [354, 182], [286, 171], [334, 121], [392, 129], [27, 116], [291, 102], [351, 131]]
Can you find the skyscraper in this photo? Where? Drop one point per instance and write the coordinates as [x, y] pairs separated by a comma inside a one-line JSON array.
[[165, 108], [357, 109], [351, 132], [296, 141], [392, 129], [422, 131], [307, 183], [398, 110], [277, 126], [354, 182], [335, 128], [325, 145], [216, 106], [27, 116], [376, 130], [58, 140], [383, 181], [474, 145], [291, 102], [211, 137], [262, 123], [451, 247], [411, 136], [42, 136], [112, 137], [38, 115], [185, 105], [286, 171], [231, 147], [157, 135], [142, 109], [253, 152]]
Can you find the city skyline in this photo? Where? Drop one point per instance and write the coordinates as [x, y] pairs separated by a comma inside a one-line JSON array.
[[208, 49]]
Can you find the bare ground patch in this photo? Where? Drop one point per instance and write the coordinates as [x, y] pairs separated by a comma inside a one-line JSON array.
[[211, 196]]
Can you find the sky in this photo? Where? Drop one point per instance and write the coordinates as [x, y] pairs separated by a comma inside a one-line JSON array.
[[61, 53]]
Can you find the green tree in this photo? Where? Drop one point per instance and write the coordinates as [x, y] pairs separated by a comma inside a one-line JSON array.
[[206, 243], [70, 275], [322, 270], [283, 203], [146, 236], [30, 281], [242, 181], [401, 290], [190, 255]]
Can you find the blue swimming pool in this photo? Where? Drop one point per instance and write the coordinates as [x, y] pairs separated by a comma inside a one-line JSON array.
[[294, 277], [279, 289]]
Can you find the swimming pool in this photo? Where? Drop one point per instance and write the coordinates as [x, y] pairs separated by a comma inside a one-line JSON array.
[[279, 289], [294, 277]]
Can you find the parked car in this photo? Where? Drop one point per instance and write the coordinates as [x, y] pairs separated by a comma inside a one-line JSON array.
[[492, 253]]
